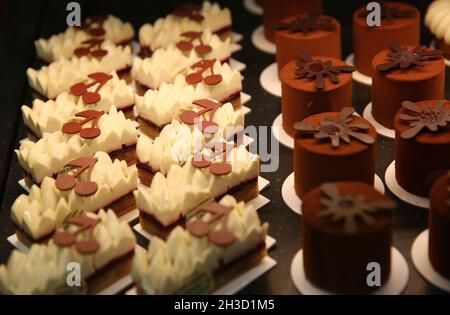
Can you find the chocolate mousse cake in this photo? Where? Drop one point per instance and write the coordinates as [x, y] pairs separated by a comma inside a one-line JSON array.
[[400, 23], [422, 144], [312, 85], [439, 224], [345, 226], [334, 146], [437, 20], [274, 11], [405, 73], [318, 34]]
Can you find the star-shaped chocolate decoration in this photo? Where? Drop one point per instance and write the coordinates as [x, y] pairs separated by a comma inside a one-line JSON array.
[[318, 70], [429, 117], [351, 210], [337, 129], [402, 58], [306, 24], [390, 11]]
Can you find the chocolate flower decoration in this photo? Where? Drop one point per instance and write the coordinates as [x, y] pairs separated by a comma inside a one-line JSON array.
[[402, 58], [352, 210], [306, 24], [191, 11], [429, 117], [317, 70], [391, 12], [337, 129]]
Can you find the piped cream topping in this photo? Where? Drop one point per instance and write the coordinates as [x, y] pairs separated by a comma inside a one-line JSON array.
[[166, 63], [46, 208], [186, 187], [54, 150], [59, 76], [63, 44], [438, 19], [167, 265], [49, 116], [162, 105], [43, 270], [167, 30]]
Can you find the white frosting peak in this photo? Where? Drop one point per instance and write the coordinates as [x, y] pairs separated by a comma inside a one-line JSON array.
[[438, 19]]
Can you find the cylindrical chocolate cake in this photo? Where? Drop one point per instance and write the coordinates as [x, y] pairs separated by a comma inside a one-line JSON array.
[[345, 226]]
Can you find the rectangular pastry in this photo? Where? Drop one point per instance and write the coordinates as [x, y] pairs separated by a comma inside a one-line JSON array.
[[83, 185], [167, 30], [100, 244], [221, 241], [97, 56], [171, 198], [98, 91], [85, 134], [179, 140], [63, 45], [166, 63]]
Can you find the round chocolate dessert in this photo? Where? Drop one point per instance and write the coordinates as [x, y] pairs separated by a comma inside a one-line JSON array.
[[405, 73], [333, 147], [312, 85], [422, 144], [318, 34], [275, 10], [439, 224], [345, 226], [400, 22]]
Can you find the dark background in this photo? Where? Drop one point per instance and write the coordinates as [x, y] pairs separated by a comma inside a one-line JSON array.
[[22, 22]]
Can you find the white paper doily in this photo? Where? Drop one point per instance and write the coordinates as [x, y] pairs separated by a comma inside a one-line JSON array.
[[252, 7], [260, 41], [270, 81], [280, 134]]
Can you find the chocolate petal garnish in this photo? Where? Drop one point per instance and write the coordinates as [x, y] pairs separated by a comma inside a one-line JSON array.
[[222, 237], [346, 112], [396, 47], [330, 190], [87, 247], [64, 239], [359, 126], [65, 182], [362, 137], [407, 117], [412, 132], [303, 126], [384, 204], [386, 66], [86, 189], [411, 106]]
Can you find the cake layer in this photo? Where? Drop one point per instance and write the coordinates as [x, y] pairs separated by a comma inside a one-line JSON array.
[[400, 23], [47, 117], [300, 95], [62, 45], [234, 231], [54, 150], [94, 241], [439, 224], [437, 20], [167, 30], [333, 147], [422, 144], [415, 83], [196, 182], [59, 76], [346, 226], [166, 63]]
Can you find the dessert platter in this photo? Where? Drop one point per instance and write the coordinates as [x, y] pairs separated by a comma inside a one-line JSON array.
[[135, 157]]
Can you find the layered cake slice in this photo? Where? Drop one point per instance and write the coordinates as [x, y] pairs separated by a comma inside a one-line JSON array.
[[96, 55], [438, 21], [99, 91], [190, 17], [63, 45], [344, 227], [85, 184], [334, 146], [172, 198], [439, 224], [99, 243], [85, 134], [400, 23], [403, 73], [179, 140], [312, 85], [221, 241], [422, 144]]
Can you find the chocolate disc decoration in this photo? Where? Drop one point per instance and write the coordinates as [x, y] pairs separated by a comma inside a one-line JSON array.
[[390, 11], [429, 117], [351, 210], [337, 129], [318, 70], [200, 161], [218, 217], [190, 117], [91, 47], [66, 182], [306, 24], [83, 247], [220, 169], [81, 89], [74, 127], [200, 67], [187, 45]]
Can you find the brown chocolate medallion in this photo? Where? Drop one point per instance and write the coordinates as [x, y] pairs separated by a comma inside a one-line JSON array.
[[81, 89], [306, 24], [66, 182], [187, 45], [74, 127], [200, 67], [190, 117]]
